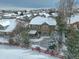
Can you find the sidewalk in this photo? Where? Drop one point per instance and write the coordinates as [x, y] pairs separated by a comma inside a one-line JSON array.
[[40, 39]]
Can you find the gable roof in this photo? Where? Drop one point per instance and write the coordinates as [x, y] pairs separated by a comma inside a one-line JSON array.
[[4, 22], [11, 23], [41, 20], [74, 19]]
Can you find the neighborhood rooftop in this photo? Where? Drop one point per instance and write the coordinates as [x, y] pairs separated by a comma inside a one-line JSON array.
[[74, 18], [11, 25], [41, 20], [32, 32], [4, 22]]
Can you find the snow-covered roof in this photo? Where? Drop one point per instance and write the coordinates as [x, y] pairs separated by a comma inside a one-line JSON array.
[[19, 12], [29, 15], [74, 19], [46, 14], [32, 32], [11, 25], [9, 14], [41, 20], [55, 14], [4, 22], [21, 17], [35, 14]]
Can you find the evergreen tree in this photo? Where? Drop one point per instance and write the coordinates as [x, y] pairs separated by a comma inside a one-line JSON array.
[[73, 43], [25, 39]]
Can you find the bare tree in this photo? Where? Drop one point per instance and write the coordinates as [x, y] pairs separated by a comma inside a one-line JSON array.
[[65, 11]]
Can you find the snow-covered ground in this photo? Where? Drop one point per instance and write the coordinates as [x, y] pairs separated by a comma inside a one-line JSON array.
[[11, 52], [3, 40]]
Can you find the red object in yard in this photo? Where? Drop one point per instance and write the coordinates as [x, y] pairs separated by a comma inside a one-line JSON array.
[[38, 49], [46, 52], [34, 49], [42, 50], [51, 53], [54, 53]]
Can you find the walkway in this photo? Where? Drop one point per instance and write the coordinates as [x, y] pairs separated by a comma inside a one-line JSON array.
[[39, 39]]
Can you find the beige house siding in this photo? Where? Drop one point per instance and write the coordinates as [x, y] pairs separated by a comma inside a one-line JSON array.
[[44, 29]]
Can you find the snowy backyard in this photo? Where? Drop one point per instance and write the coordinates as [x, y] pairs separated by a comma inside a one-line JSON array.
[[11, 52]]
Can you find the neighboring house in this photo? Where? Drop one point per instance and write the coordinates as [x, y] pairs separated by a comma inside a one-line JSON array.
[[54, 14], [44, 14], [74, 18], [8, 26], [74, 21], [1, 14], [23, 18], [42, 25], [30, 16], [9, 15], [75, 25]]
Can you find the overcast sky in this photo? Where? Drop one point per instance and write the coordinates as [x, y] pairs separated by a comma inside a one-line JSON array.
[[29, 3]]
